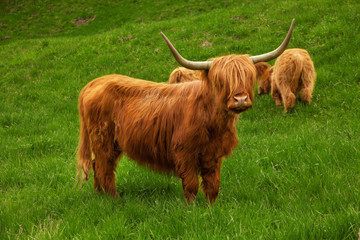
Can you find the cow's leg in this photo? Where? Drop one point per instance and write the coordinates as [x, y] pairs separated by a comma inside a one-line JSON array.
[[188, 172], [106, 158], [306, 94], [190, 183], [211, 180], [104, 171], [287, 96], [275, 94], [97, 185], [289, 99], [308, 80]]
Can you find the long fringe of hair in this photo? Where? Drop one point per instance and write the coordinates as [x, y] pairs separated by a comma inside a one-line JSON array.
[[229, 73]]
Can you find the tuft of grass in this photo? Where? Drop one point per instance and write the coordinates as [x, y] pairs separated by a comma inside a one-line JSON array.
[[292, 176]]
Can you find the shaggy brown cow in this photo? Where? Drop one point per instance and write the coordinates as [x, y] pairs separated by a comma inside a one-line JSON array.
[[184, 128], [292, 73]]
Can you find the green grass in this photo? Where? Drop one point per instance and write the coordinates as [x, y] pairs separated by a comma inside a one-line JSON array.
[[292, 176]]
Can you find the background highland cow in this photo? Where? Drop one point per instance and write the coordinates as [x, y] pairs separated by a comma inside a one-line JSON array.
[[263, 73], [293, 73]]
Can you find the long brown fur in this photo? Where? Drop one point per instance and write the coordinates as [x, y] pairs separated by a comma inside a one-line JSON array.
[[185, 128], [293, 73]]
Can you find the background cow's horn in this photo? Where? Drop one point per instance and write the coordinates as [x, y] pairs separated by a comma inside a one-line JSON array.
[[277, 52], [184, 62]]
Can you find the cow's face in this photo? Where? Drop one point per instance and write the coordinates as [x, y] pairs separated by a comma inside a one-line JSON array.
[[265, 82], [264, 77], [233, 78], [264, 86]]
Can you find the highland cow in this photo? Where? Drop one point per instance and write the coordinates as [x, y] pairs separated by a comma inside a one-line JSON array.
[[185, 128], [293, 73]]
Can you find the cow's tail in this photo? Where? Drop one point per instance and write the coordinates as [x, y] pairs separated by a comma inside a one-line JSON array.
[[84, 152]]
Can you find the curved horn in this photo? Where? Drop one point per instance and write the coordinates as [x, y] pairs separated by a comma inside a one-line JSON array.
[[266, 57], [184, 62]]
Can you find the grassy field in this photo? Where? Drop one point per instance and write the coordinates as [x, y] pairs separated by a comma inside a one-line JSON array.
[[292, 176]]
